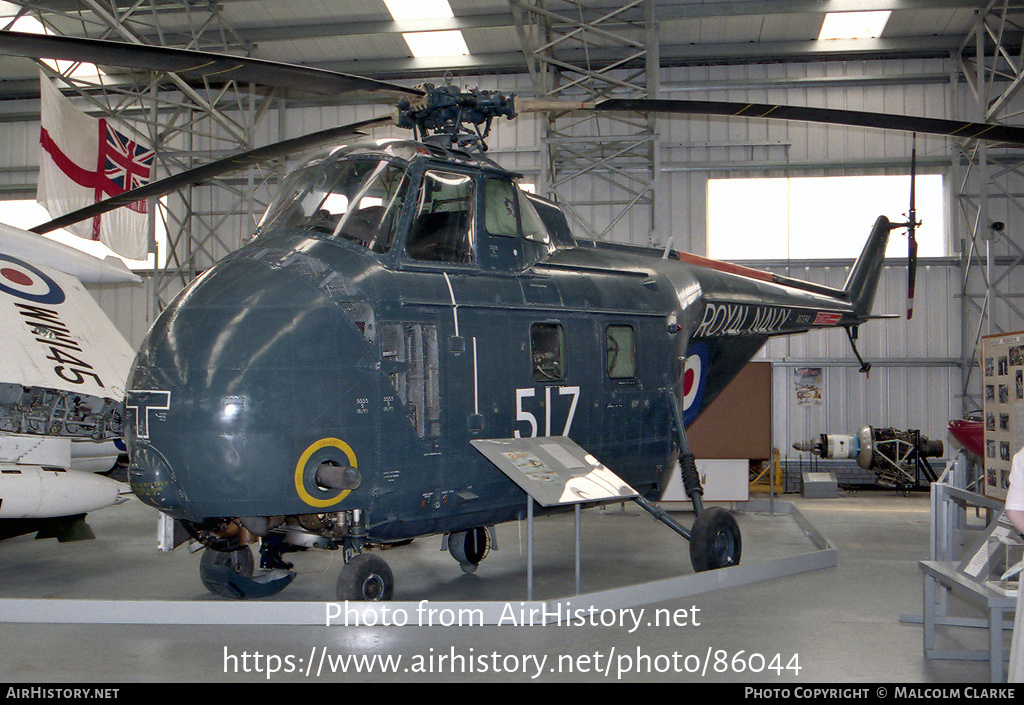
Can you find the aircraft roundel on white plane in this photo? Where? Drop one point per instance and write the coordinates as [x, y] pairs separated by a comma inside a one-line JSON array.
[[695, 374], [55, 334], [21, 279]]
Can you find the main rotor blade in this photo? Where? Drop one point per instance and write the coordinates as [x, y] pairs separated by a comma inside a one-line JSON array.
[[193, 63], [855, 118], [205, 172]]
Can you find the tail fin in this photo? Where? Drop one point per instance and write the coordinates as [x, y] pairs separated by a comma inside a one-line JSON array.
[[863, 280]]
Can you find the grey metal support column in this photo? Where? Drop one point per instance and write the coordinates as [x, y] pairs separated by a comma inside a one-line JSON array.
[[988, 195], [603, 170]]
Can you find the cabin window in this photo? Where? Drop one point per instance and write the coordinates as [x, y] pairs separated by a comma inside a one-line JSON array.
[[500, 208], [547, 343], [620, 344], [442, 230]]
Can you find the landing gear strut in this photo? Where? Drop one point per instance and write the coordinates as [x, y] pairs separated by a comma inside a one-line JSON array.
[[715, 540], [715, 537], [366, 577]]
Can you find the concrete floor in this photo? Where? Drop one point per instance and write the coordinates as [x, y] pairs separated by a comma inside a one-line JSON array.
[[834, 625]]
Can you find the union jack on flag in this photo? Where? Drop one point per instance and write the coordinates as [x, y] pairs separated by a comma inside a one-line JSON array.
[[127, 164]]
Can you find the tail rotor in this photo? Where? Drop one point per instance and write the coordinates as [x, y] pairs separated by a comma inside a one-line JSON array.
[[911, 226]]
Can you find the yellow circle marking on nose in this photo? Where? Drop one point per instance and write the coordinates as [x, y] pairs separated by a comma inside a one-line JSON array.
[[301, 466]]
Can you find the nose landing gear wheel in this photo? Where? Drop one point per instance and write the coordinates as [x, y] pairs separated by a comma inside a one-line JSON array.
[[715, 540], [366, 578]]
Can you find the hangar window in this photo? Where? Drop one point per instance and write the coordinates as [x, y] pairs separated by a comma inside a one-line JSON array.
[[620, 345], [826, 217], [548, 349]]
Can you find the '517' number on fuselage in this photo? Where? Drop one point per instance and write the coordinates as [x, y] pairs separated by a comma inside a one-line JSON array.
[[525, 413]]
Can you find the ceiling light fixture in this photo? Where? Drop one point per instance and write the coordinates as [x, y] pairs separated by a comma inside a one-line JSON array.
[[403, 10], [854, 25], [428, 44]]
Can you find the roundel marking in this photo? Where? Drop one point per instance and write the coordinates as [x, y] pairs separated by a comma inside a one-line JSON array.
[[321, 447], [16, 276], [21, 279], [695, 372]]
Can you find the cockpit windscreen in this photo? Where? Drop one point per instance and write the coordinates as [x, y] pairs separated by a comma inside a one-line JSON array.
[[357, 199]]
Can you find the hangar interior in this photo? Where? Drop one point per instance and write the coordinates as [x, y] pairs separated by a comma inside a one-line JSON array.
[[655, 180]]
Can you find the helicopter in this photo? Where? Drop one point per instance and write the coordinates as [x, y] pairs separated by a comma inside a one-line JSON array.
[[327, 385]]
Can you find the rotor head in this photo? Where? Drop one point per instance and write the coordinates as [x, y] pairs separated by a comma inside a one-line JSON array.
[[454, 117]]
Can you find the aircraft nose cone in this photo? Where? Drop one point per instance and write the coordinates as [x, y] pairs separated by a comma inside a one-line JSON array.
[[239, 375]]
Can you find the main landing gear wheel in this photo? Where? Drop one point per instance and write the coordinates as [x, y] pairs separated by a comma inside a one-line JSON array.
[[469, 547], [367, 578], [714, 540]]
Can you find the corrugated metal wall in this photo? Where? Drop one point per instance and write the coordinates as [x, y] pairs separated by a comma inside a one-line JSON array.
[[914, 383]]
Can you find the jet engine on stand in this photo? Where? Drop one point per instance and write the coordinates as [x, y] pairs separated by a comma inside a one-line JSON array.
[[898, 458]]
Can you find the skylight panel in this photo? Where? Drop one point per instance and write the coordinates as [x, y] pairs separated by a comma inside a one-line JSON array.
[[854, 25], [426, 44], [403, 10]]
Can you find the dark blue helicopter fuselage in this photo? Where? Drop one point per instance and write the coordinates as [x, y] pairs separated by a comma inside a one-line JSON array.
[[306, 348]]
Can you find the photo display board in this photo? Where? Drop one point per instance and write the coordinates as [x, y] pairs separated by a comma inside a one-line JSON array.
[[1002, 366]]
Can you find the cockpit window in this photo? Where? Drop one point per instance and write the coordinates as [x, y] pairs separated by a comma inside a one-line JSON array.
[[499, 208], [533, 226], [353, 199], [443, 228]]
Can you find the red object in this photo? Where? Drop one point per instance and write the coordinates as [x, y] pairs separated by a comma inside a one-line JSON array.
[[825, 318], [970, 433]]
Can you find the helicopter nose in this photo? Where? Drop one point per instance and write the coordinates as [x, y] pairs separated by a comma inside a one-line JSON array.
[[240, 375]]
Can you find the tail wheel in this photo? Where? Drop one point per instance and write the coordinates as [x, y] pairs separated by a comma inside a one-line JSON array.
[[715, 540], [366, 578], [213, 562], [469, 547]]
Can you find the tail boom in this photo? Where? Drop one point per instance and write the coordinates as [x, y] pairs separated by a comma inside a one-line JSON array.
[[742, 301]]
